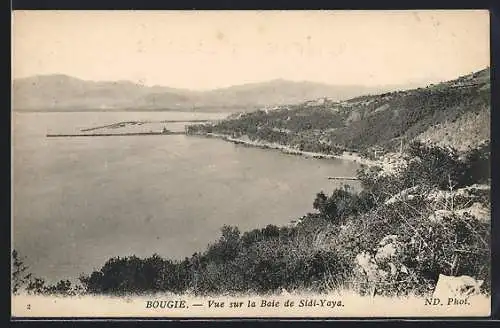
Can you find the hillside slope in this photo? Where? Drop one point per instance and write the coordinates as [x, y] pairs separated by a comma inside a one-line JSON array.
[[65, 93], [466, 132], [369, 122]]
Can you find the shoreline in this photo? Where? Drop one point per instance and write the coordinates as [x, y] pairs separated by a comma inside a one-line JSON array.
[[287, 149]]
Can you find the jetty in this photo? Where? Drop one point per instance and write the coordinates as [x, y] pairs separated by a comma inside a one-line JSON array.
[[125, 123], [342, 178], [114, 134]]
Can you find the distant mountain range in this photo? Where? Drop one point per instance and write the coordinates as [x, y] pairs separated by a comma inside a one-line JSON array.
[[65, 93]]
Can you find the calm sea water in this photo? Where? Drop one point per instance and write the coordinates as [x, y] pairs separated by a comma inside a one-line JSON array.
[[79, 201]]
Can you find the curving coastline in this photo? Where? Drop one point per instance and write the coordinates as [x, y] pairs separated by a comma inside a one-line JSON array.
[[287, 149]]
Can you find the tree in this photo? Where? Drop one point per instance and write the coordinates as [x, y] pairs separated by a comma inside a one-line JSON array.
[[320, 201], [20, 275], [227, 247], [433, 166], [326, 207], [36, 286], [477, 163]]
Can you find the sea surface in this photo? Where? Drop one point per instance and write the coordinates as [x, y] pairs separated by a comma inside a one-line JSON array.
[[79, 201]]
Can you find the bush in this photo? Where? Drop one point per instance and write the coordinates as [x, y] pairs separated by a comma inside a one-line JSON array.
[[434, 166], [377, 186], [226, 248], [342, 204], [20, 276], [478, 165], [427, 167]]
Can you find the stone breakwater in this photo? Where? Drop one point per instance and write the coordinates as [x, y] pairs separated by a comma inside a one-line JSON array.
[[289, 150], [114, 134]]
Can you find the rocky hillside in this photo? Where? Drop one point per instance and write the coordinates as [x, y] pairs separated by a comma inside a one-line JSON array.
[[469, 129], [458, 110]]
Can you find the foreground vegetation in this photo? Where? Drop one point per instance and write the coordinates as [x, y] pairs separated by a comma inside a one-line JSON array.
[[429, 215]]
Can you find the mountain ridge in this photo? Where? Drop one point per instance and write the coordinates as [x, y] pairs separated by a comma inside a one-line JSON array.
[[61, 92]]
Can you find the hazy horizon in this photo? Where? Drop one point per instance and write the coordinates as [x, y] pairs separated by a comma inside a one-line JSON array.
[[201, 51], [408, 83]]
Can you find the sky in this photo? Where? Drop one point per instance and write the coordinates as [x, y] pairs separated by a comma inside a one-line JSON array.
[[213, 49]]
